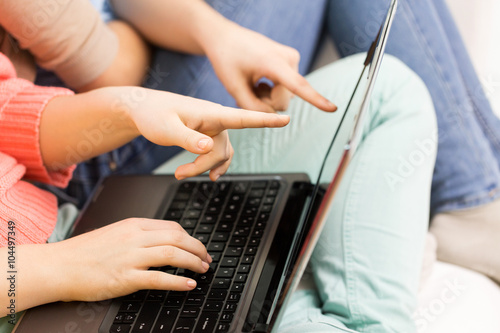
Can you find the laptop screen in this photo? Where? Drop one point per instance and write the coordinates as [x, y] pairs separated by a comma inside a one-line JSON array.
[[343, 146]]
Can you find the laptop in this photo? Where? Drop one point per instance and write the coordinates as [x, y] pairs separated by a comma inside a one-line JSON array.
[[259, 229]]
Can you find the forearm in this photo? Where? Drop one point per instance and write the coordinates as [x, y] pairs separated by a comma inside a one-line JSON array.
[[76, 128], [186, 26], [130, 63]]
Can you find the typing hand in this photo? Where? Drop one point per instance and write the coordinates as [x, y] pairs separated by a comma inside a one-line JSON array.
[[113, 261]]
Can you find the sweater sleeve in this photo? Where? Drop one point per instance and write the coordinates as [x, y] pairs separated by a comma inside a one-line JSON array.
[[66, 37], [21, 106], [33, 212]]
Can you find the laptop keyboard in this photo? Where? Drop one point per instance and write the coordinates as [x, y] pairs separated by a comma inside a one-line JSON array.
[[229, 218]]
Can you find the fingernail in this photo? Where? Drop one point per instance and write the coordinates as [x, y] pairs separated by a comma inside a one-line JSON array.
[[209, 258], [205, 265], [216, 177], [330, 105], [203, 143], [191, 283]]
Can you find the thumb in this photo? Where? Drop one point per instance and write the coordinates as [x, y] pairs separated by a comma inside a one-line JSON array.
[[246, 98]]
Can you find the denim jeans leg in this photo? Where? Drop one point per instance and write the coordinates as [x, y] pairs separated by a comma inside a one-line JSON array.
[[467, 171]]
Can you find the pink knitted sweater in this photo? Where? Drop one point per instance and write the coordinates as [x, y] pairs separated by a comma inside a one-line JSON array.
[[34, 211]]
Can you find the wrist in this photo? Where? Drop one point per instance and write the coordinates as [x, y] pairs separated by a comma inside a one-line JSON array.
[[210, 30]]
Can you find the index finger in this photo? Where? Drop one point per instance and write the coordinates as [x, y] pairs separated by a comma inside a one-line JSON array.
[[299, 86], [232, 118]]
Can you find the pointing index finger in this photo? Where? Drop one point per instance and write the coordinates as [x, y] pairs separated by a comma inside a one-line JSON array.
[[299, 86]]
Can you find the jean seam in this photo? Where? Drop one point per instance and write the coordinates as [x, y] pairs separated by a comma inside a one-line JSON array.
[[349, 262]]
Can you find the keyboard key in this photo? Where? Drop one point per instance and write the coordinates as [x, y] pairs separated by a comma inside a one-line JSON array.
[[165, 321], [254, 241], [207, 322], [236, 199], [217, 294], [216, 247], [266, 208], [269, 200], [238, 241], [252, 250], [272, 193], [119, 318], [184, 325], [194, 301], [234, 251], [130, 306], [245, 231], [173, 215], [222, 328], [137, 296], [259, 184], [192, 214], [209, 219], [146, 317], [247, 259], [232, 208], [215, 256], [156, 295], [221, 283], [254, 202], [238, 287], [129, 318], [226, 317], [186, 187], [240, 278], [201, 289], [228, 217], [178, 205], [234, 296], [213, 306], [174, 302], [256, 194], [119, 328], [225, 273], [189, 312], [214, 210], [244, 269], [202, 237], [275, 184], [257, 233], [182, 196], [205, 229], [240, 187], [230, 307], [216, 201], [220, 236], [205, 278], [229, 262], [225, 226], [188, 223]]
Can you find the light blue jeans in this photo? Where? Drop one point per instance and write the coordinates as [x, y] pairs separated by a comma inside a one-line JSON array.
[[367, 263], [424, 36]]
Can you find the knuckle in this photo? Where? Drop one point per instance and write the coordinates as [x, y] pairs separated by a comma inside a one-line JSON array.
[[177, 237], [155, 280], [168, 252]]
